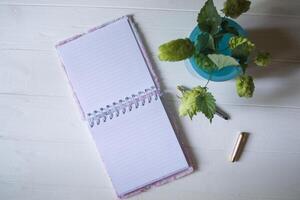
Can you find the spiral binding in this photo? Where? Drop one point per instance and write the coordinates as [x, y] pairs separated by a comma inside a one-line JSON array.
[[122, 106]]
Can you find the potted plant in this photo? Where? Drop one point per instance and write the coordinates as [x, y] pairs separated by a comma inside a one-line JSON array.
[[217, 50]]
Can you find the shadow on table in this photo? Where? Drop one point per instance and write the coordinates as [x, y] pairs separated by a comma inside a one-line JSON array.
[[284, 66], [173, 115], [283, 48]]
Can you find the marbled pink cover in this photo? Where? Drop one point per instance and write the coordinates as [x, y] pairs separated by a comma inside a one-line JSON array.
[[163, 181]]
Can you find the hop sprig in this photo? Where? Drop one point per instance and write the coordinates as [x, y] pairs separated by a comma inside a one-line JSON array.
[[198, 99]]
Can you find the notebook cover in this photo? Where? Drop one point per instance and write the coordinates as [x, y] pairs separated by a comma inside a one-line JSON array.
[[178, 175]]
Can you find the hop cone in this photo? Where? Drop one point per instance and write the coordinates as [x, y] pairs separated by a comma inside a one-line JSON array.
[[245, 86]]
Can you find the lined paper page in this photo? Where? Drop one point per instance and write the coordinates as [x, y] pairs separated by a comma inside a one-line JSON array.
[[140, 146], [105, 65]]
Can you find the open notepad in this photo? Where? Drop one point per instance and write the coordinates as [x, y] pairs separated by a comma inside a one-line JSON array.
[[111, 80]]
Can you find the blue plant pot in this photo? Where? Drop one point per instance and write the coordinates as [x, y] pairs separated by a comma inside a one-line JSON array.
[[224, 74]]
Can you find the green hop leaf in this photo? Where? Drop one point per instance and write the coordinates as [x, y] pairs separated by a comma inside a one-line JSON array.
[[208, 18], [225, 29], [176, 50], [197, 100], [262, 59], [228, 29], [234, 8], [218, 37], [221, 60], [241, 47], [205, 63], [188, 104], [245, 86], [241, 53], [205, 43]]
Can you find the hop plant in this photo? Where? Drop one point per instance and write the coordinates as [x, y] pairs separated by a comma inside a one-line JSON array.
[[245, 86], [207, 54]]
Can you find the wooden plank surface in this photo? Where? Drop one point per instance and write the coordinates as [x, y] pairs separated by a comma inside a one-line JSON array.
[[47, 153], [263, 7]]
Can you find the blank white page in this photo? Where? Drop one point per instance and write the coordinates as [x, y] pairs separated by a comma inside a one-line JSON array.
[[139, 147]]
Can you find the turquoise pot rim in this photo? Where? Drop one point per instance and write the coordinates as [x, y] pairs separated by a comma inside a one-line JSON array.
[[227, 73]]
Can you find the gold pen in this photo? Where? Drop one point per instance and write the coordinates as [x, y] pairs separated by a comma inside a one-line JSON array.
[[238, 147]]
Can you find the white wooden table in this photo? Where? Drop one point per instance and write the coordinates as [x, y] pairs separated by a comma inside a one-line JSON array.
[[46, 151]]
